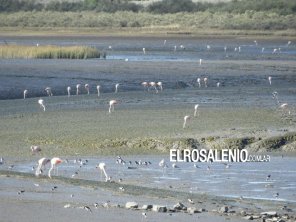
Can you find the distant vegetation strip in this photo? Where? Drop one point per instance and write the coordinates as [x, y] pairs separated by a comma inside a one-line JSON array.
[[250, 20], [282, 7], [47, 52]]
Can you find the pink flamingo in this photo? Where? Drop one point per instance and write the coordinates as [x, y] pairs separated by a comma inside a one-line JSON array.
[[112, 104], [159, 84], [198, 81], [98, 89], [86, 86], [41, 164], [78, 89], [25, 93], [195, 109], [116, 88], [145, 85], [186, 118], [69, 91], [269, 79], [41, 103], [54, 162], [102, 167], [153, 85]]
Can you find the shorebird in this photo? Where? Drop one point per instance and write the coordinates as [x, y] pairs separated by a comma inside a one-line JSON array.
[[112, 104], [198, 82], [144, 51], [206, 81], [200, 61], [41, 103], [54, 162], [269, 79], [190, 201], [25, 93], [218, 84], [186, 118]]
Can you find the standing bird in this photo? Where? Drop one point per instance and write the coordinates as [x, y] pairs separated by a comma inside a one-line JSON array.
[[256, 43], [41, 103], [225, 49], [48, 91], [144, 51], [206, 81], [35, 149], [289, 43], [86, 86], [159, 84], [175, 48], [78, 89], [112, 104], [25, 93], [116, 87], [145, 85], [208, 47], [269, 79], [54, 162], [200, 61], [218, 84], [262, 50], [186, 118], [98, 89], [198, 81], [41, 164], [69, 91], [195, 109], [102, 167], [153, 85]]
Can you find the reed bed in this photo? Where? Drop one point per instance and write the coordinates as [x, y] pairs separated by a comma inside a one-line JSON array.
[[48, 52]]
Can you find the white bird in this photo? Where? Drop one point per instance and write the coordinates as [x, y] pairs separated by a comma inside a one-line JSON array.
[[54, 162], [102, 167], [153, 85], [225, 48], [25, 93], [274, 51], [98, 89], [208, 47], [195, 109], [174, 165], [269, 79], [289, 43], [69, 90], [78, 89], [256, 43], [35, 149], [145, 85], [48, 91], [110, 47], [186, 118], [218, 84], [206, 81], [198, 81], [159, 84], [182, 47], [86, 86], [175, 48], [164, 42], [200, 61], [239, 49], [116, 87], [163, 164], [41, 165], [41, 103], [144, 50], [262, 50], [284, 105], [112, 104]]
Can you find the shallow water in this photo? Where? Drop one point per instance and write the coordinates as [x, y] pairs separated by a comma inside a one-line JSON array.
[[241, 179]]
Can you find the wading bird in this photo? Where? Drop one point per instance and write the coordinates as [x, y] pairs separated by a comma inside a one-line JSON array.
[[35, 149], [218, 84], [86, 86], [144, 51], [112, 104], [41, 103], [78, 89], [256, 43], [269, 79], [186, 118], [206, 81], [48, 91], [208, 47], [25, 93], [145, 85], [225, 49], [54, 162], [153, 85], [198, 82], [200, 61], [102, 167], [116, 87], [164, 42], [196, 109], [41, 165], [69, 91], [289, 43], [98, 89], [262, 50], [159, 84]]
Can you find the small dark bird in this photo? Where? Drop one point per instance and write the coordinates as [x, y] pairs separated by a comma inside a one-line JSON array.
[[10, 167], [276, 195], [54, 188], [96, 205], [20, 192], [190, 201], [268, 177], [87, 209]]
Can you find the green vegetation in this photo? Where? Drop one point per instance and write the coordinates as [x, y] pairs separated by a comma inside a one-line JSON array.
[[48, 52], [185, 14]]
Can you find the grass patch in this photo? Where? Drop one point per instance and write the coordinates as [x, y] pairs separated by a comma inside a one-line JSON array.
[[47, 52]]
